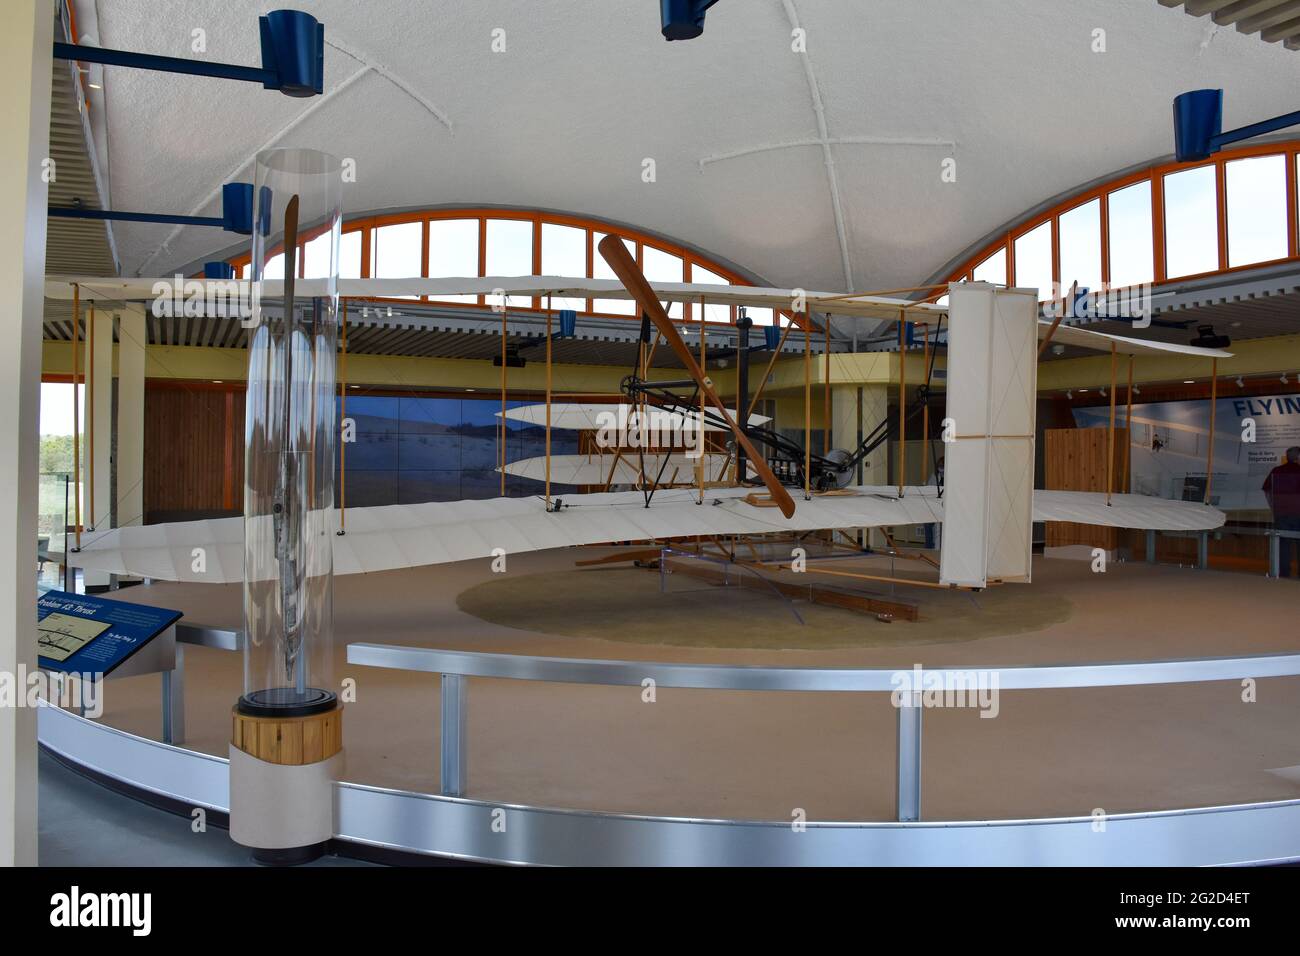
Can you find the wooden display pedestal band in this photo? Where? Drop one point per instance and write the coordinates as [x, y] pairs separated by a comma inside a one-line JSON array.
[[289, 741]]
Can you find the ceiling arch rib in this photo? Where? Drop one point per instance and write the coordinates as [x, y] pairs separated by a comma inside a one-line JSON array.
[[532, 129], [368, 65]]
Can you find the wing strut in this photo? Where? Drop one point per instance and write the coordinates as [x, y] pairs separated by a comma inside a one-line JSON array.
[[625, 268]]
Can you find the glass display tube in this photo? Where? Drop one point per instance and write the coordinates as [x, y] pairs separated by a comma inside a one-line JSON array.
[[289, 438]]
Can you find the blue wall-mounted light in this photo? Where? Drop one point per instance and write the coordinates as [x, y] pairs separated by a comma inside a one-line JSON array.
[[293, 56], [568, 323], [1198, 124], [236, 212], [771, 337], [237, 208], [683, 19], [293, 52]]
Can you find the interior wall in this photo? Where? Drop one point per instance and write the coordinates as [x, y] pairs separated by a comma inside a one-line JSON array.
[[1075, 460], [193, 450]]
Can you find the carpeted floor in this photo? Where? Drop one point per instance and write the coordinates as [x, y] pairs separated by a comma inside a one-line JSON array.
[[625, 604], [754, 755]]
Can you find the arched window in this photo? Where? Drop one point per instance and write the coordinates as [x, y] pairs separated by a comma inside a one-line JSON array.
[[1166, 223], [502, 242]]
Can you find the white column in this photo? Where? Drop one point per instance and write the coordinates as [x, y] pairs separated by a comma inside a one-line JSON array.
[[130, 415], [25, 64], [99, 396], [97, 441], [871, 403]]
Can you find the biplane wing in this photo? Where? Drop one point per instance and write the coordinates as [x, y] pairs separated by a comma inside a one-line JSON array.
[[624, 469], [220, 291], [403, 536], [593, 416]]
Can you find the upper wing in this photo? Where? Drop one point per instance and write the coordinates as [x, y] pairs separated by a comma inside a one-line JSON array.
[[118, 289], [589, 416]]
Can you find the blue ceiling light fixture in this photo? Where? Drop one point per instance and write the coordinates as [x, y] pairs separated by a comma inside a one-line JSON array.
[[568, 323], [237, 208], [1198, 124], [683, 19], [293, 56], [236, 213]]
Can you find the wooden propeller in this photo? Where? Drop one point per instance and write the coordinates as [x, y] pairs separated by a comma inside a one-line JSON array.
[[625, 268]]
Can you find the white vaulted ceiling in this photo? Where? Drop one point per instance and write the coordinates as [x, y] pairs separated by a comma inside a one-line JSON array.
[[819, 170]]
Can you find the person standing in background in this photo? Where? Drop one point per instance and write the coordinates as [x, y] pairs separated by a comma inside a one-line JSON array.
[[1282, 488]]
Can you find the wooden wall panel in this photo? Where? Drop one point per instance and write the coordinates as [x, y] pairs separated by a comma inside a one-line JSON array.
[[1075, 460], [193, 450]]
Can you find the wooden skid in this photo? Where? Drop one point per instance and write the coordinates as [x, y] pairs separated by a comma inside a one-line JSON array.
[[643, 554], [818, 594]]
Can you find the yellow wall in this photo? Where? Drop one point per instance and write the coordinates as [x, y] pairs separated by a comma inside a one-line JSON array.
[[1252, 357], [387, 371]]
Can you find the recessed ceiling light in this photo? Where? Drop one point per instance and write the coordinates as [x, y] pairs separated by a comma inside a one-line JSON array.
[[1082, 390], [354, 386], [1188, 381], [95, 86], [216, 381]]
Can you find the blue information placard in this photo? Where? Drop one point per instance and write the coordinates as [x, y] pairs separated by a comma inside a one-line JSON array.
[[85, 633]]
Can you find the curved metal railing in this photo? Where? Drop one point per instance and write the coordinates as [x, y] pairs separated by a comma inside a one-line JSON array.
[[908, 687], [453, 825]]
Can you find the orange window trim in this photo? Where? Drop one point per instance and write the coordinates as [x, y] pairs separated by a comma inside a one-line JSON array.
[[1155, 175], [367, 225]]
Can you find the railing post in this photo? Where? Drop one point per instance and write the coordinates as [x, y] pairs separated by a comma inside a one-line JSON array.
[[1274, 554], [452, 745], [1203, 550], [1151, 546], [173, 701], [909, 759]]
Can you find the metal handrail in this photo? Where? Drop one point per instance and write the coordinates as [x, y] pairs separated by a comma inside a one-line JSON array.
[[456, 666], [860, 679]]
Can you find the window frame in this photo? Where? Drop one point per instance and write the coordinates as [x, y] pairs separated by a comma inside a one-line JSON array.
[[1155, 175], [639, 240]]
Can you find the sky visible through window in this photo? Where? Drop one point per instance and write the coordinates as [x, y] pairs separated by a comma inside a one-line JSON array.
[[1254, 223]]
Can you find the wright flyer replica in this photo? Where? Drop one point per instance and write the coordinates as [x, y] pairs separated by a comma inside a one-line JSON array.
[[989, 445]]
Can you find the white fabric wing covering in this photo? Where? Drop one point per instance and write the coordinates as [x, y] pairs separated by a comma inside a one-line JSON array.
[[404, 536], [880, 308], [593, 416], [625, 470]]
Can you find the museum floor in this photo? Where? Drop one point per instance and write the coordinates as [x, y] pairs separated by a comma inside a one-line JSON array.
[[84, 824], [762, 755]]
